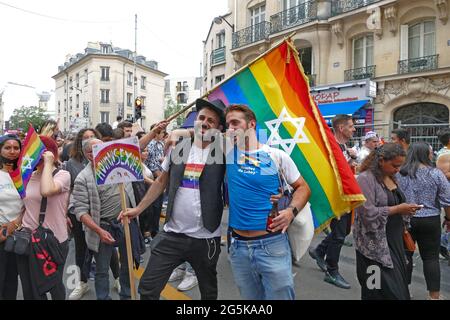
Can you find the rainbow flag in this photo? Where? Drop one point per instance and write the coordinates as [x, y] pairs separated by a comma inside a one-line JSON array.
[[32, 150], [275, 87]]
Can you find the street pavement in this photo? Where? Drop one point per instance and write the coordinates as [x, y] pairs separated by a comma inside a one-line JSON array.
[[309, 284]]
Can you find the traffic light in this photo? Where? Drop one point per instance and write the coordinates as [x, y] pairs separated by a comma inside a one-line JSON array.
[[137, 109]]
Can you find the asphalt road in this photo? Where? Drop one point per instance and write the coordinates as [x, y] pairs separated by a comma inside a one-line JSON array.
[[309, 284]]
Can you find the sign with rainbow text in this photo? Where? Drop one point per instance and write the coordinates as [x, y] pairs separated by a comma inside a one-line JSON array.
[[117, 162]]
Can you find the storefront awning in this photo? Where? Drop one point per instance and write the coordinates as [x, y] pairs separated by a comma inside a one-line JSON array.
[[330, 110]]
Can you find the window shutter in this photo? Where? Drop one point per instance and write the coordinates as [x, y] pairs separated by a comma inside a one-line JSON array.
[[404, 42]]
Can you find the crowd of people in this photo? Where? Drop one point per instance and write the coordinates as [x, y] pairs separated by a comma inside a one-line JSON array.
[[406, 186]]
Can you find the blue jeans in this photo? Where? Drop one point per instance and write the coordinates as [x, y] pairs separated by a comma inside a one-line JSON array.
[[102, 263], [262, 269]]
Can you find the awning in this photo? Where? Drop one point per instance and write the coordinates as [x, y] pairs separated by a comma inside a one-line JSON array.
[[189, 121], [330, 110]]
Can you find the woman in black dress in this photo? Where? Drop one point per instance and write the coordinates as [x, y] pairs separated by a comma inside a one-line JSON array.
[[378, 229]]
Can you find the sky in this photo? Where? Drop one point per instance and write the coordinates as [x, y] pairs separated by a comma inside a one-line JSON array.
[[32, 46]]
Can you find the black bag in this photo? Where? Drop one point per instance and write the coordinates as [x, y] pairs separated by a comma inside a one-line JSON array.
[[19, 242]]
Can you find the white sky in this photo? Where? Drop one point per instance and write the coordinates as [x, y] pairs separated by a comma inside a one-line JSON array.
[[32, 47]]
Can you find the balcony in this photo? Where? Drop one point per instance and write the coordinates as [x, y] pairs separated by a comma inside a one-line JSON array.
[[251, 34], [360, 73], [293, 17], [418, 64], [343, 6], [218, 56], [184, 88]]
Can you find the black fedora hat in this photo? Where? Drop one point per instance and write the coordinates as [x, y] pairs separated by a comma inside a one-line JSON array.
[[217, 105]]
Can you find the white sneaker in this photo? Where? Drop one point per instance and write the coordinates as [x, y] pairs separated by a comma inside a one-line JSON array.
[[117, 285], [189, 281], [177, 274], [79, 291]]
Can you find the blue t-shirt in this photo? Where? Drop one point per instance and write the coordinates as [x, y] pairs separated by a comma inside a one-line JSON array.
[[252, 180]]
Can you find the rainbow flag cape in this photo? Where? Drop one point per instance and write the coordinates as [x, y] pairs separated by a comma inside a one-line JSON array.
[[32, 150], [275, 87]]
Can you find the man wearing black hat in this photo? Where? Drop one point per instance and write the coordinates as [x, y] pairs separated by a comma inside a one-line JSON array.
[[194, 213]]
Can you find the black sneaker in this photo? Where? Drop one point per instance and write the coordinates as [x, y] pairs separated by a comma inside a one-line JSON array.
[[319, 260], [337, 280]]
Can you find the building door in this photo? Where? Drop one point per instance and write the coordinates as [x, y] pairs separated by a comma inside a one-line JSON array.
[[423, 121]]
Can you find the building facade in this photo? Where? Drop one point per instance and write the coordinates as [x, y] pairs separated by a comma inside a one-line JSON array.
[[218, 61], [98, 85], [398, 50], [180, 92]]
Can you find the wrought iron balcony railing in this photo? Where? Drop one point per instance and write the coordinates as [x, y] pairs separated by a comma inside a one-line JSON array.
[[295, 16], [218, 56], [418, 64], [360, 73], [251, 34], [342, 6]]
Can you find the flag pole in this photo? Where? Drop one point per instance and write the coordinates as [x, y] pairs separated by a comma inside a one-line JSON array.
[[189, 106], [129, 251]]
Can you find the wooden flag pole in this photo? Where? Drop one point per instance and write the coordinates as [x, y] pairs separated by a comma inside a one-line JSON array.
[[126, 227], [189, 106]]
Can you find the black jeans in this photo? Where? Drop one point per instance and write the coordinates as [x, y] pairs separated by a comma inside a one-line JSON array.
[[168, 251], [29, 289], [330, 247], [8, 275], [427, 233]]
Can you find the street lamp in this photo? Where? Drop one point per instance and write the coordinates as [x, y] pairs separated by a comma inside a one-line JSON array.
[[220, 19]]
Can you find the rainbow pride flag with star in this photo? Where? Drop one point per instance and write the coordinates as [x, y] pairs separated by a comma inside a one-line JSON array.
[[32, 150], [275, 87]]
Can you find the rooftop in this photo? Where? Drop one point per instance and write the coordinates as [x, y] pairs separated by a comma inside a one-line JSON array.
[[107, 49]]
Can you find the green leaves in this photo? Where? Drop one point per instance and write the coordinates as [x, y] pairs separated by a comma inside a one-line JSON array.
[[23, 116]]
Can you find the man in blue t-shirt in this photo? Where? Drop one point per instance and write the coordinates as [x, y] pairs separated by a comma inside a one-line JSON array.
[[260, 254]]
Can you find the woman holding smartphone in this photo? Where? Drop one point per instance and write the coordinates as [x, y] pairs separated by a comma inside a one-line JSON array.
[[427, 186], [378, 228]]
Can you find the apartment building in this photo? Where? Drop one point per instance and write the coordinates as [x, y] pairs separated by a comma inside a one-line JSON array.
[[101, 83], [387, 62]]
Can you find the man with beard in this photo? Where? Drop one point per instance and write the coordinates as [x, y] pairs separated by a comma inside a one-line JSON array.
[[192, 229]]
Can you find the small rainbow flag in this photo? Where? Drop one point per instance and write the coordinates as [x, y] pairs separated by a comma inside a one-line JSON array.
[[275, 87], [32, 150]]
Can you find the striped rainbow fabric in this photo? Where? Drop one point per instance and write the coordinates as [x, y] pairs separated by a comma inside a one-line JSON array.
[[32, 150], [277, 90]]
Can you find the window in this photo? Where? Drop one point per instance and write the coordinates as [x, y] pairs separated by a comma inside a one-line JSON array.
[[70, 83], [78, 101], [130, 78], [59, 107], [65, 86], [306, 57], [421, 40], [143, 99], [143, 82], [105, 73], [129, 116], [129, 99], [70, 104], [220, 78], [220, 39], [363, 52], [104, 117], [182, 98], [298, 10], [77, 79], [257, 16], [86, 78], [104, 96], [106, 48]]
